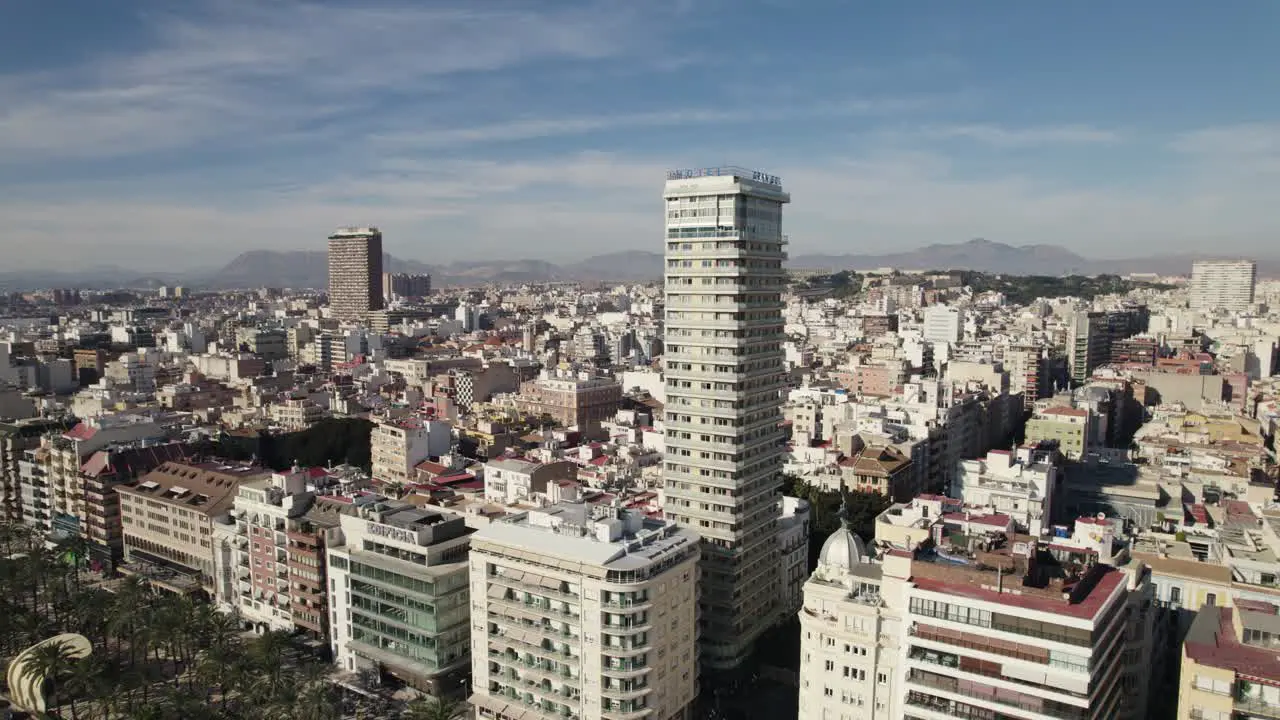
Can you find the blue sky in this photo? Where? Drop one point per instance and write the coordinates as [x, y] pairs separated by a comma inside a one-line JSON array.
[[169, 135]]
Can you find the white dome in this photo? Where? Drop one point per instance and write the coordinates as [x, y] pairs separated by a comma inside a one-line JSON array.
[[843, 550]]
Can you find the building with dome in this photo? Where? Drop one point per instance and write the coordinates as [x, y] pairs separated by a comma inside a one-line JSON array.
[[848, 635], [952, 614]]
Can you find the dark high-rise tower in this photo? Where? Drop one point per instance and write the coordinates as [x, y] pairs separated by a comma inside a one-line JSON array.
[[355, 272]]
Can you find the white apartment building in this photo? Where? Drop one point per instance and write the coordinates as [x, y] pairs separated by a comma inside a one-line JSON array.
[[943, 324], [850, 637], [511, 480], [584, 612], [399, 445], [398, 596], [1019, 484], [296, 413], [1226, 284], [986, 624], [793, 553], [725, 381]]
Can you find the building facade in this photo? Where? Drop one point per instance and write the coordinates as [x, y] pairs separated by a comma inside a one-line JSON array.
[[725, 376], [396, 446], [355, 272], [168, 519], [584, 612], [405, 285], [399, 603], [1225, 284]]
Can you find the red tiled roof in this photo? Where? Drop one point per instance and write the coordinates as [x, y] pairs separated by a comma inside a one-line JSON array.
[[1221, 649], [1085, 609], [431, 467], [81, 431]]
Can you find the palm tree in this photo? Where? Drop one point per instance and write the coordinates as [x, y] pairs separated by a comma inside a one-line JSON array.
[[431, 708], [315, 696], [86, 681], [50, 662]]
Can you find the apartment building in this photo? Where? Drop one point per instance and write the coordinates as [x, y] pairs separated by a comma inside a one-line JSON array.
[[1223, 284], [584, 612], [1002, 622], [1021, 484], [1231, 664], [725, 377], [293, 414], [355, 272], [572, 399], [397, 286], [793, 553], [399, 602], [16, 439], [513, 480], [65, 454], [397, 445], [1068, 427], [943, 324], [953, 618], [169, 517], [262, 510], [850, 638], [101, 474]]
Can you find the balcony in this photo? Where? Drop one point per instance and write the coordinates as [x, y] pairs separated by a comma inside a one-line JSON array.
[[997, 696], [1256, 706]]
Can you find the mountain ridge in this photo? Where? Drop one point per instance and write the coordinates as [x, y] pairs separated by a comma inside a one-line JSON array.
[[309, 268]]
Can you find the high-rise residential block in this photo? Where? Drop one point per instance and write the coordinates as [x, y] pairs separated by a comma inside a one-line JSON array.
[[724, 382], [1226, 284], [583, 611], [405, 285], [355, 272]]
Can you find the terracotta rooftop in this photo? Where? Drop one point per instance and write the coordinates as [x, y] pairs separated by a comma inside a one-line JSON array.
[[1087, 607], [1212, 641]]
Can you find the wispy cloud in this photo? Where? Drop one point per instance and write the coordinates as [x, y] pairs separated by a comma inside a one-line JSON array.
[[245, 70], [538, 128], [1013, 137]]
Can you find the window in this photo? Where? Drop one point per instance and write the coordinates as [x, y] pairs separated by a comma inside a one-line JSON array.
[[831, 665], [1175, 595], [1210, 599]]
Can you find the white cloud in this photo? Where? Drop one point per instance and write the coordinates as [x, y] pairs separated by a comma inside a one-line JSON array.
[[248, 70], [1010, 138], [536, 128], [587, 203]]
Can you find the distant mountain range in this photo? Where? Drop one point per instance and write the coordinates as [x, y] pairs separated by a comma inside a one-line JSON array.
[[309, 268]]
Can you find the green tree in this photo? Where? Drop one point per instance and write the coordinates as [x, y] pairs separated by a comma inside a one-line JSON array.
[[52, 662], [429, 708]]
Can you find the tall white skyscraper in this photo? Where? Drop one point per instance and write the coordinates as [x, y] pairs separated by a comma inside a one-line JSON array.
[[1226, 284], [724, 383]]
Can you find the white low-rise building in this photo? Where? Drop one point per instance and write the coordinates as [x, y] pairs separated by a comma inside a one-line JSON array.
[[1020, 485]]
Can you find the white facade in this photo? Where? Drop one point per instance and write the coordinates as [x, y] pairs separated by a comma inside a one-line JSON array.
[[943, 324], [397, 446], [793, 550], [584, 612], [398, 596], [1226, 284], [1020, 486], [850, 642], [725, 381]]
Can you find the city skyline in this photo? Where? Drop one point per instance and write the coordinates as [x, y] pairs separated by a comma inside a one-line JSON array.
[[226, 126]]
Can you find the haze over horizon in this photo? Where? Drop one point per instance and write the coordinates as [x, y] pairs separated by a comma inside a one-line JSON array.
[[174, 136]]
